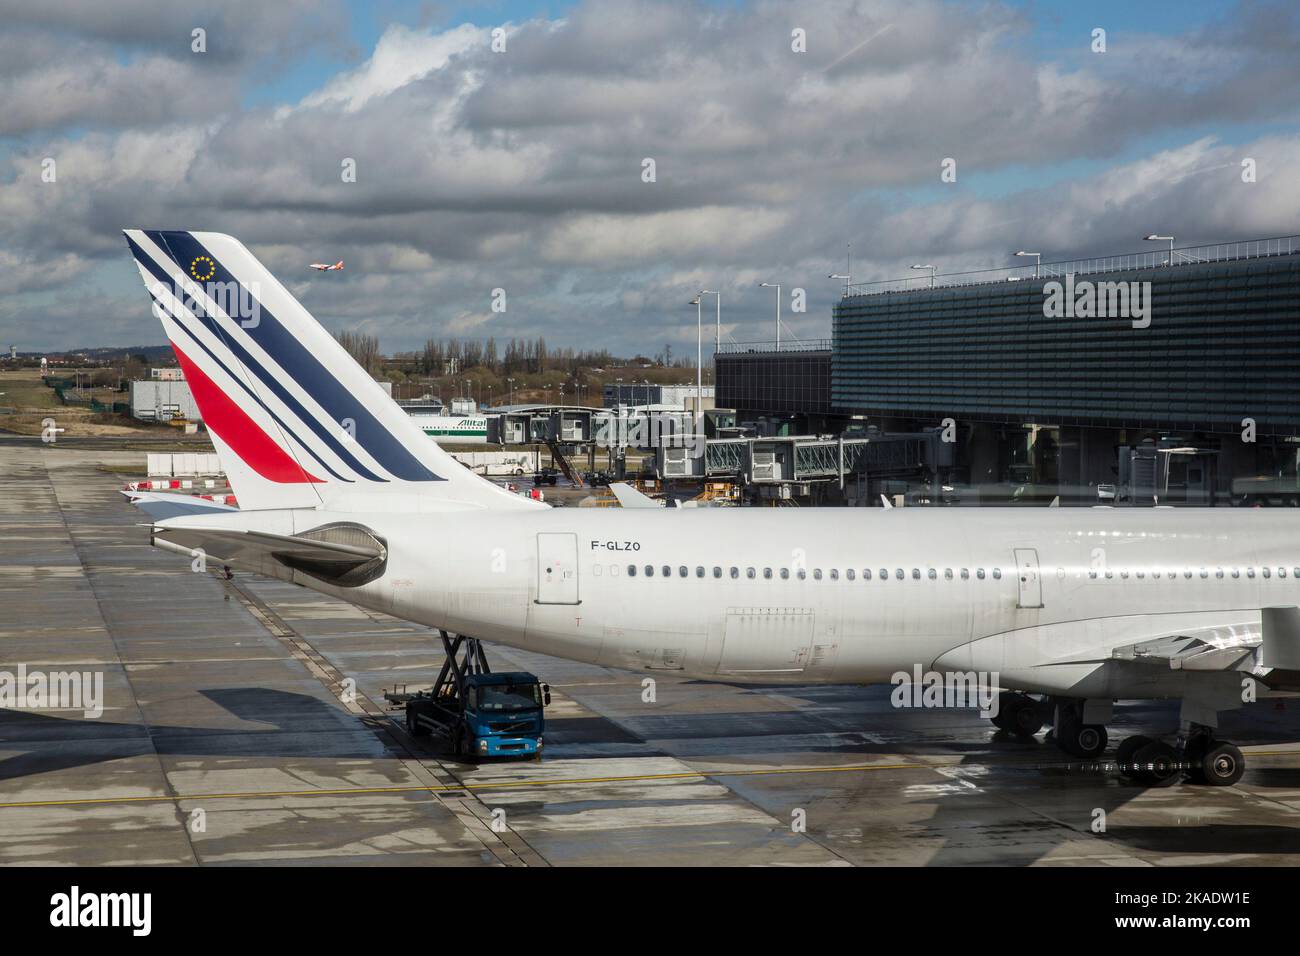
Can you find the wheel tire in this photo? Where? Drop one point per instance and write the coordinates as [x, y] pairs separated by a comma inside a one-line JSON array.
[[1083, 740], [1157, 765], [1025, 718], [1222, 764], [1126, 751], [413, 726]]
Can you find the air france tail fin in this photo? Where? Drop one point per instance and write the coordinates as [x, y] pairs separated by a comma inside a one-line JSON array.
[[297, 423]]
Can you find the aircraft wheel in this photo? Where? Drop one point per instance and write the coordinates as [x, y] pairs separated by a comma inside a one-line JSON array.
[[1157, 765], [1125, 752], [1083, 740], [1023, 715], [1222, 764], [413, 726]]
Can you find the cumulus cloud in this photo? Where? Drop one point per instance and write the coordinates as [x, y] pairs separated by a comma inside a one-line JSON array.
[[524, 170]]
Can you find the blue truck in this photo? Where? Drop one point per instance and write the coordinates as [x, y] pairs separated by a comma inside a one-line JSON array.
[[478, 713]]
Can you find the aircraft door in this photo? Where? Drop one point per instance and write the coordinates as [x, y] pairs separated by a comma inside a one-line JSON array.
[[557, 568], [1028, 578]]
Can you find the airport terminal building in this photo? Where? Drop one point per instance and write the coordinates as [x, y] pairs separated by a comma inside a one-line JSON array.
[[1168, 375]]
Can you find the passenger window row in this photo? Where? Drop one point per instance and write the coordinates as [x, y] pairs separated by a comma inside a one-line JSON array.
[[801, 574], [1172, 573]]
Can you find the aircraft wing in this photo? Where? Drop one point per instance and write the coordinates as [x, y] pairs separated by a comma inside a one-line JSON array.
[[1268, 649], [629, 497], [161, 505]]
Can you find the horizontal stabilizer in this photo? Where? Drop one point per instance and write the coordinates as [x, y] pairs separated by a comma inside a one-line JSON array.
[[343, 554], [629, 497], [162, 506]]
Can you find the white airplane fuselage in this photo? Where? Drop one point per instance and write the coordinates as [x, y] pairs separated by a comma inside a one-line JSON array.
[[1039, 596]]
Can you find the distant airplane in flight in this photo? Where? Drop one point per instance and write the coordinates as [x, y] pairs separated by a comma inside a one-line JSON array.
[[322, 267]]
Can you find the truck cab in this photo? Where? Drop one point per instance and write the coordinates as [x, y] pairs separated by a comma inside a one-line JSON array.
[[502, 714]]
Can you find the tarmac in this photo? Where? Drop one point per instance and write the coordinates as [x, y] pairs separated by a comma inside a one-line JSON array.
[[243, 722]]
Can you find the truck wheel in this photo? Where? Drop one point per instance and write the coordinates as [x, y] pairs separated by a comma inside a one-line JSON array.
[[413, 726]]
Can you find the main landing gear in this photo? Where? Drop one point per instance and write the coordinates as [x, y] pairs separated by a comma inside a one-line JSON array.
[[1079, 727], [1199, 755]]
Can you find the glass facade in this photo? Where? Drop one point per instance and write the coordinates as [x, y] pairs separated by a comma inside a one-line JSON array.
[[786, 382], [1223, 344]]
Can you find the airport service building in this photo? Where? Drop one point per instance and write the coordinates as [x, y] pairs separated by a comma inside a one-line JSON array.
[[1169, 380]]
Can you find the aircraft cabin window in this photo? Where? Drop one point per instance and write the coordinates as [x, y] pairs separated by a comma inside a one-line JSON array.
[[866, 574], [997, 573], [1295, 572], [668, 572], [817, 574], [932, 574], [683, 571], [803, 574], [899, 573], [916, 574], [1187, 572], [699, 570], [735, 572], [1281, 572], [1218, 573], [1092, 573], [1236, 573], [1204, 573], [767, 574], [884, 574], [1109, 575], [947, 574], [1250, 572], [613, 570], [631, 570], [835, 574], [965, 574], [1267, 572], [751, 573], [1124, 575], [785, 574], [1141, 573], [595, 570], [649, 570], [979, 573], [717, 571], [850, 574]]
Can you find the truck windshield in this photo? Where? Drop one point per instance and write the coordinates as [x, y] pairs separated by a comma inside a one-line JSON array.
[[502, 697]]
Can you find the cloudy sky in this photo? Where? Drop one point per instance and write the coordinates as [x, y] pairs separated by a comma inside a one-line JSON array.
[[523, 169]]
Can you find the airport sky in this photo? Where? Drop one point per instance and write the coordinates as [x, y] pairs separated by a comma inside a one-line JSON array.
[[522, 170]]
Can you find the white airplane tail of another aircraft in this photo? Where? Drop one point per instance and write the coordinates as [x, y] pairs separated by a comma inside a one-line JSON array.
[[297, 423]]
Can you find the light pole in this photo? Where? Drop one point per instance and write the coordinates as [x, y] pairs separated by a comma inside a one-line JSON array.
[[848, 269], [699, 355], [847, 279], [777, 287], [931, 268], [1038, 258], [1170, 239], [511, 383], [717, 335]]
